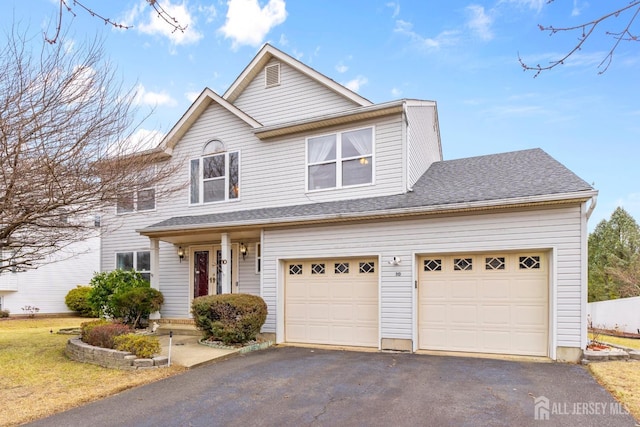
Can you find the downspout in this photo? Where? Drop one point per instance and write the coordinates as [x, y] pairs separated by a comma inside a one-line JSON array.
[[406, 159], [592, 206]]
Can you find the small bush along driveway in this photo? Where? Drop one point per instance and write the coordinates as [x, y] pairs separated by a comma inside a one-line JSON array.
[[289, 386]]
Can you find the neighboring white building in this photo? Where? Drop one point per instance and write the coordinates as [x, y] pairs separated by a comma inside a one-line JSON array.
[[46, 286], [344, 217]]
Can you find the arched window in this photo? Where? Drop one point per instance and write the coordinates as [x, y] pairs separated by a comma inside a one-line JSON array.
[[213, 146], [215, 176]]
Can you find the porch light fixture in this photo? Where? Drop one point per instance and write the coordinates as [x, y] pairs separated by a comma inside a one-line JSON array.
[[180, 253], [243, 250]]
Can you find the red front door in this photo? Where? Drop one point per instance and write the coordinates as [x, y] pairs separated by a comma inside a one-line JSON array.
[[201, 273]]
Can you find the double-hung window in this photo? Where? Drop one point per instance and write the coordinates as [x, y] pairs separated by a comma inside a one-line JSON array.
[[340, 159], [141, 200], [214, 178], [136, 260]]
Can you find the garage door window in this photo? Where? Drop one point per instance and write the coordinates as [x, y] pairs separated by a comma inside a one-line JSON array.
[[367, 267], [341, 268], [295, 269], [529, 263], [317, 268], [432, 265], [463, 264], [494, 263]]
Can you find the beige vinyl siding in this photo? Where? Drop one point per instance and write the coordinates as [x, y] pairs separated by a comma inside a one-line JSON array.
[[273, 173], [554, 228], [174, 282], [248, 280], [296, 97], [423, 143]]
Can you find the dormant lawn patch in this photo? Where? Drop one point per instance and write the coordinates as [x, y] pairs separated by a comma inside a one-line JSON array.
[[37, 379]]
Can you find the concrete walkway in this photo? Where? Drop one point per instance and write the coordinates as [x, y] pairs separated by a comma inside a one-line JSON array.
[[188, 352]]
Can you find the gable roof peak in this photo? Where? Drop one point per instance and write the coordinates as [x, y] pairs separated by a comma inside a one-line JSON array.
[[265, 54]]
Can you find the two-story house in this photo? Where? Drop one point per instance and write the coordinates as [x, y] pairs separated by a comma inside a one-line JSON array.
[[344, 217]]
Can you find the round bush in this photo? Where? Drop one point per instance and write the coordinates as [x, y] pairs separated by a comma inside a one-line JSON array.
[[143, 346], [230, 318], [77, 299], [104, 335]]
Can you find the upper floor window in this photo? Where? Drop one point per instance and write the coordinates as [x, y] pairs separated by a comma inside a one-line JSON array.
[[214, 178], [141, 200], [340, 159]]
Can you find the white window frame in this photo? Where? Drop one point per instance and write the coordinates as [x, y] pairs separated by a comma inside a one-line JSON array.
[[201, 178], [135, 261], [339, 160], [258, 249]]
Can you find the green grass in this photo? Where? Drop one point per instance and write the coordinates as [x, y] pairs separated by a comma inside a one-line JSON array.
[[37, 379]]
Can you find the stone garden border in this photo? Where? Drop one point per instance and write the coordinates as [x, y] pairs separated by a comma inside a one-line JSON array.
[[82, 352]]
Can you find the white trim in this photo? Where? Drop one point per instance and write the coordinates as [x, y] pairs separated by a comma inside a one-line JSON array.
[[584, 278], [553, 301], [258, 258], [339, 160], [265, 54], [280, 297], [433, 209], [201, 181]]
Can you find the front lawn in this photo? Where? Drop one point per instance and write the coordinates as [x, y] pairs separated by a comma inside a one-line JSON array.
[[37, 379], [621, 378]]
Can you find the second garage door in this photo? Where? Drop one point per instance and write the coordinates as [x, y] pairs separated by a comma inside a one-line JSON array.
[[332, 302], [490, 303]]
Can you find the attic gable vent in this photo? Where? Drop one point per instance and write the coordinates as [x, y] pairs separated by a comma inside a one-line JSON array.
[[272, 75]]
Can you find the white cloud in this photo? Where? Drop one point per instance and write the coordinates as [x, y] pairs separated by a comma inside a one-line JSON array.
[[396, 8], [209, 12], [283, 40], [248, 24], [536, 5], [355, 84], [395, 92], [145, 20], [145, 139], [444, 38], [154, 99], [191, 95], [341, 68], [479, 22]]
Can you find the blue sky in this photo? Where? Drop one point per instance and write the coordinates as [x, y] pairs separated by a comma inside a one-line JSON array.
[[462, 54]]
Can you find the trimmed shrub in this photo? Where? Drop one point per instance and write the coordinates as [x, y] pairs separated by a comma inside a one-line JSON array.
[[230, 318], [103, 335], [77, 299], [4, 313], [143, 346], [112, 297], [136, 304], [86, 327]]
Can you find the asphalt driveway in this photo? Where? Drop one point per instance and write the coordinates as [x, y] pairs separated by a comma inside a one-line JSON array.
[[288, 386]]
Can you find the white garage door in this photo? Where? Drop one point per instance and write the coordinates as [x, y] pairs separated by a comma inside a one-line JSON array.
[[332, 302], [494, 303]]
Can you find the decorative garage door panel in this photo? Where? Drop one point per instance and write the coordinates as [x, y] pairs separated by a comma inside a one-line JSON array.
[[496, 303], [332, 302]]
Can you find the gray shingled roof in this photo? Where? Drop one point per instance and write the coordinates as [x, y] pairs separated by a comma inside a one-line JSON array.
[[495, 177]]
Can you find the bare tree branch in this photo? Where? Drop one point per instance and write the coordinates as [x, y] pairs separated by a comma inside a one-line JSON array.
[[587, 29], [68, 5], [65, 149]]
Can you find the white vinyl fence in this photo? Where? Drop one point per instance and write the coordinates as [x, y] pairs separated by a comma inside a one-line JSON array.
[[623, 314]]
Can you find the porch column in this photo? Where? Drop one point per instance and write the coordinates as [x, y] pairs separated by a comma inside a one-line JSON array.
[[154, 249], [225, 247]]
